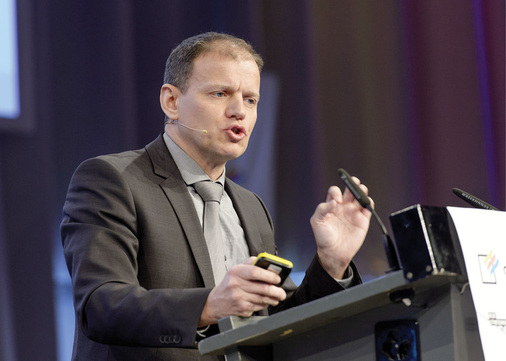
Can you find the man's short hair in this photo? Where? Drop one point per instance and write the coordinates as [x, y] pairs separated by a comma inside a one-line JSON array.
[[179, 65]]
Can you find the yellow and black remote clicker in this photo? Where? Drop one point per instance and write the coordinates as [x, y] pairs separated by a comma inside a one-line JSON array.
[[275, 264]]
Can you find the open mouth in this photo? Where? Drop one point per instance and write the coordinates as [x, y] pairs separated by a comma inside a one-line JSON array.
[[237, 130], [236, 133]]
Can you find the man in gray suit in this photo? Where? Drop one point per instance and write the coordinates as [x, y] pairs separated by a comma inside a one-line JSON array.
[[141, 270]]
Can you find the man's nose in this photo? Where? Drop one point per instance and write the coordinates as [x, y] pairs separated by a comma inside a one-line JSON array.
[[236, 107]]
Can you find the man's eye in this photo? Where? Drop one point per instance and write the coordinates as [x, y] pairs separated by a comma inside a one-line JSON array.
[[219, 94], [251, 101]]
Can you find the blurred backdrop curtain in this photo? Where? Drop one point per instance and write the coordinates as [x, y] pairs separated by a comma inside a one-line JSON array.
[[406, 95]]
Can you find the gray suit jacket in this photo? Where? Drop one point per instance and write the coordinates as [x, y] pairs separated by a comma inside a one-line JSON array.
[[138, 260]]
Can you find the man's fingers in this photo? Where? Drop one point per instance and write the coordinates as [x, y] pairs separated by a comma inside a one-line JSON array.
[[334, 193], [252, 302], [348, 195], [242, 297], [250, 260], [263, 285], [254, 273]]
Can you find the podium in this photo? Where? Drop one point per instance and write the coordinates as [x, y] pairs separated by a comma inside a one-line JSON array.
[[429, 316]]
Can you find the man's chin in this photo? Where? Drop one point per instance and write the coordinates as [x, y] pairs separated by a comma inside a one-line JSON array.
[[234, 153]]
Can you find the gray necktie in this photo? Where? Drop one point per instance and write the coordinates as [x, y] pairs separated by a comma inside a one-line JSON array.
[[211, 194]]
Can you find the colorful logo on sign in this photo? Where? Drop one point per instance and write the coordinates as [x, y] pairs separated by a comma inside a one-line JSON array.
[[488, 265]]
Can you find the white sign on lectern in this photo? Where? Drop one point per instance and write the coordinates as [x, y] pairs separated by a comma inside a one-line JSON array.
[[482, 236]]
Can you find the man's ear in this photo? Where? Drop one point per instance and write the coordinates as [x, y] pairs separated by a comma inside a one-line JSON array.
[[169, 101]]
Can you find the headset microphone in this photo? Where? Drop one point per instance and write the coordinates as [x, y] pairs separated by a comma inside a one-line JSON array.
[[171, 121]]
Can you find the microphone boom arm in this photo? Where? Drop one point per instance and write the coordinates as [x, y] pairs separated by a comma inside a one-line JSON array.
[[364, 201]]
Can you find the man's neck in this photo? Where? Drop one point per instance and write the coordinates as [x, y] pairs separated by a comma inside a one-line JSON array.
[[213, 170]]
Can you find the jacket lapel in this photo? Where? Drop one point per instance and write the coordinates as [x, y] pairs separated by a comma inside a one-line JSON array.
[[177, 193]]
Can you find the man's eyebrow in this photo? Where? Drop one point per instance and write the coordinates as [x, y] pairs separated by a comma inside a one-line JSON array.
[[253, 94], [217, 86]]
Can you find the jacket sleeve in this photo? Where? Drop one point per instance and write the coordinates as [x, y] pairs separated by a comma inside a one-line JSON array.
[[101, 246], [317, 283]]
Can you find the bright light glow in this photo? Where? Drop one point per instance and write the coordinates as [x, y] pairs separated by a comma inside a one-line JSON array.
[[9, 69]]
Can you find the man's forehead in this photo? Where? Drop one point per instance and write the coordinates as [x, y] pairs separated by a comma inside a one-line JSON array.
[[210, 69]]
